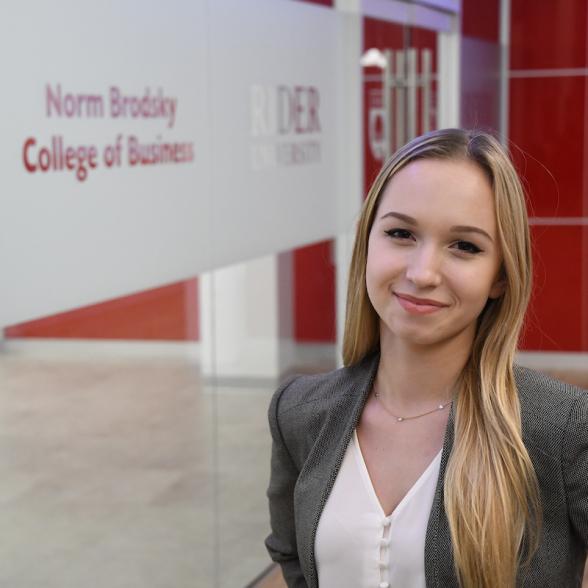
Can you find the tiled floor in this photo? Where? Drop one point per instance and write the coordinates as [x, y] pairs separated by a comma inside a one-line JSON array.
[[131, 473]]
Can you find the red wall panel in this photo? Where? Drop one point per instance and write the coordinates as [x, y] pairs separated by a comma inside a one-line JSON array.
[[314, 293], [548, 34], [481, 19], [547, 139], [584, 290], [549, 143], [557, 311]]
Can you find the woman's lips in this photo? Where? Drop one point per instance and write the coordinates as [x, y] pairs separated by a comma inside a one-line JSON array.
[[418, 305]]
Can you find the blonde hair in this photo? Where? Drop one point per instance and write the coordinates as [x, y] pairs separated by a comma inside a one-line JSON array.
[[491, 490]]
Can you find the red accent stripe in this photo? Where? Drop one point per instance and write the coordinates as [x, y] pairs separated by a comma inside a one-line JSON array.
[[167, 313]]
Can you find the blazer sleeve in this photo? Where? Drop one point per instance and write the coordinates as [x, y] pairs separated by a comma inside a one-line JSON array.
[[575, 462], [281, 542]]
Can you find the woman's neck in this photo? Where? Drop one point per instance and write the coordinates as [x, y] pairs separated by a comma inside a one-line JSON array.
[[413, 377]]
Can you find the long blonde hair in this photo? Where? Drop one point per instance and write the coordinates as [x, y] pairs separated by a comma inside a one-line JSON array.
[[491, 490]]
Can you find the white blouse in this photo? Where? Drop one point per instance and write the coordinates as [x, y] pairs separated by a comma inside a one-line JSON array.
[[357, 545]]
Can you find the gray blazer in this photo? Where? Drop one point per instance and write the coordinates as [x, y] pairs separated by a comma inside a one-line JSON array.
[[312, 419]]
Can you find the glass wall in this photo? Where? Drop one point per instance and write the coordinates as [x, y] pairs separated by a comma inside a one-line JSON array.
[[168, 254]]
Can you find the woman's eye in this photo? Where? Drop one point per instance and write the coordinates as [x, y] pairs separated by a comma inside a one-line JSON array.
[[399, 233], [467, 247]]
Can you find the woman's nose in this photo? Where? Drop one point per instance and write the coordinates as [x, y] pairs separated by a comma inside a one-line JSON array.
[[423, 268]]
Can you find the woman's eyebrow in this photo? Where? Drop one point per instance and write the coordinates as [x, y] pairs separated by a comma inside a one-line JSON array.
[[400, 216], [455, 229], [468, 229]]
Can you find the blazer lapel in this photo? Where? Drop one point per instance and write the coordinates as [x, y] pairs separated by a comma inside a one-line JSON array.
[[439, 572], [326, 457]]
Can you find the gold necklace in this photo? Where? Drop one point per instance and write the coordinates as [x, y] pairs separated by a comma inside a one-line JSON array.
[[400, 419]]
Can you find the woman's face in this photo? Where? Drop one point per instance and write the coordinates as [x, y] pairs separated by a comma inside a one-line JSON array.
[[433, 256]]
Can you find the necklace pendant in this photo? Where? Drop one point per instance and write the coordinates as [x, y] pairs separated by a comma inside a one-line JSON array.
[[400, 419], [441, 406]]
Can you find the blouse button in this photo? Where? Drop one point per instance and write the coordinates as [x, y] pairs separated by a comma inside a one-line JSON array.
[[384, 585], [386, 523], [384, 542]]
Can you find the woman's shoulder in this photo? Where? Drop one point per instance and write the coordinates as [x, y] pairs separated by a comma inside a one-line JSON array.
[[544, 390], [548, 403], [303, 405], [308, 389]]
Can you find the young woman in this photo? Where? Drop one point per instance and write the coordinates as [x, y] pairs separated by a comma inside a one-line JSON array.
[[430, 459]]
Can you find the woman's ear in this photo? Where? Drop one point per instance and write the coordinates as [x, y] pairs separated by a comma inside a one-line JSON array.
[[499, 286], [497, 289]]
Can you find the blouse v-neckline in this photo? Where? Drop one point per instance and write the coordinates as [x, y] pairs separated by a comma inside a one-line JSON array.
[[367, 480]]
